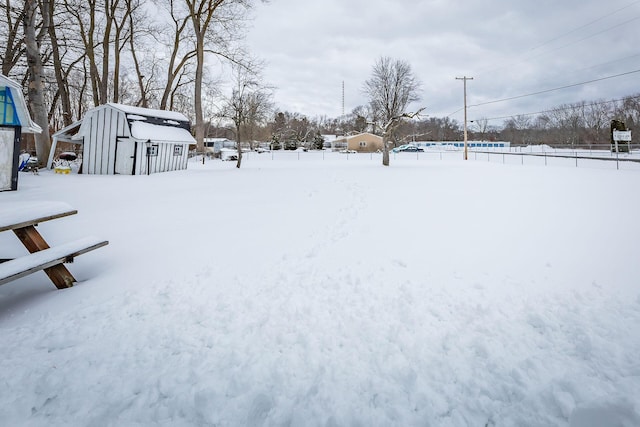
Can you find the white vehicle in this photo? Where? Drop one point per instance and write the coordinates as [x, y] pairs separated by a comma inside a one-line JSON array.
[[228, 154]]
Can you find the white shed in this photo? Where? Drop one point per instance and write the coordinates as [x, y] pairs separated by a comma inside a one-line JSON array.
[[120, 139]]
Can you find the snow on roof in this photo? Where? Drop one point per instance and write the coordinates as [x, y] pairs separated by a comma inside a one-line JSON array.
[[330, 137], [158, 133], [69, 133], [163, 114], [28, 125]]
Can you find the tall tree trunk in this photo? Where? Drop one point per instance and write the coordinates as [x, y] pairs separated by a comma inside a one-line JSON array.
[[89, 44], [385, 150], [199, 126], [48, 8], [106, 50], [36, 73], [143, 93], [239, 144]]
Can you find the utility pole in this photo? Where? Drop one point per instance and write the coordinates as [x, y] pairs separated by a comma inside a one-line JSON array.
[[464, 79]]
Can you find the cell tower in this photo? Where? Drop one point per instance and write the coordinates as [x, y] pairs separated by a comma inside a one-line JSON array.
[[343, 97]]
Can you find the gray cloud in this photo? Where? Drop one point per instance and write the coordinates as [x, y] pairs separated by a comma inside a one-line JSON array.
[[510, 48]]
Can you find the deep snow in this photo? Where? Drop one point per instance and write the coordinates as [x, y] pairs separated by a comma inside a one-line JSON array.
[[332, 292]]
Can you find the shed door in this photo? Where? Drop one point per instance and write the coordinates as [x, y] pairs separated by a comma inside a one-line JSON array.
[[125, 156], [7, 145]]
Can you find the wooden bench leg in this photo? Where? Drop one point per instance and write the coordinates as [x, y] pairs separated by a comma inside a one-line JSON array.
[[33, 241]]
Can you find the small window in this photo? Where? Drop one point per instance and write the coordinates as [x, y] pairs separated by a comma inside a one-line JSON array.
[[8, 115], [177, 150], [152, 150]]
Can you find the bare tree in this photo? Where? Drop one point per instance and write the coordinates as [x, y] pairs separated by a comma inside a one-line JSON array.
[[391, 88], [11, 35], [179, 56], [133, 6], [48, 13], [596, 121], [250, 102], [36, 80], [482, 126], [216, 25]]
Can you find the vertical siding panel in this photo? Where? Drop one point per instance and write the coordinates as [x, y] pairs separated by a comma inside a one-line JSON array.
[[167, 159], [103, 127], [157, 164], [99, 140], [87, 146], [141, 152], [111, 156], [185, 156], [95, 120], [163, 162], [109, 114]]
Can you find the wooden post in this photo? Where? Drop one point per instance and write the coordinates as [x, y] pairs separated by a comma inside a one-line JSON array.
[[33, 241]]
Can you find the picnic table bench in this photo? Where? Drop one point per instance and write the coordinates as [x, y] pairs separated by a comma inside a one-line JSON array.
[[22, 218]]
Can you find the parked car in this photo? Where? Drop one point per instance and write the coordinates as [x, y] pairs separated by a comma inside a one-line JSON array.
[[409, 149], [397, 149]]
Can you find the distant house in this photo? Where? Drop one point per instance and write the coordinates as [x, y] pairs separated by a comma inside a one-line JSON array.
[[362, 142], [120, 139], [14, 120]]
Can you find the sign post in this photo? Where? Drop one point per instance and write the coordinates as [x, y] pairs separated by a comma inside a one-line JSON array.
[[622, 136]]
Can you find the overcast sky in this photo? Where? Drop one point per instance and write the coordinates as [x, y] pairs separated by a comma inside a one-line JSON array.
[[509, 48]]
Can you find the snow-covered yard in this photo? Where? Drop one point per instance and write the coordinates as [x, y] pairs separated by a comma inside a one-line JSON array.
[[332, 292]]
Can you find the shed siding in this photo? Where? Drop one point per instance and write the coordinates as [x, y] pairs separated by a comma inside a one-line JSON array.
[[105, 125], [109, 147], [89, 152], [165, 161], [103, 143]]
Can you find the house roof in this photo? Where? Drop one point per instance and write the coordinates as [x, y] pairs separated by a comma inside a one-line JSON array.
[[347, 138], [28, 125]]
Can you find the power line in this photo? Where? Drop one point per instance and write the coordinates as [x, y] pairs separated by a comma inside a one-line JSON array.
[[587, 37], [558, 109], [525, 58], [555, 89], [585, 25], [609, 62]]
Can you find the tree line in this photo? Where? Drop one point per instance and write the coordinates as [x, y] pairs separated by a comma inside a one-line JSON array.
[[73, 55], [568, 125]]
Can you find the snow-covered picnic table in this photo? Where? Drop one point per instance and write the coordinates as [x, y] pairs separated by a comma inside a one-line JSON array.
[[22, 218]]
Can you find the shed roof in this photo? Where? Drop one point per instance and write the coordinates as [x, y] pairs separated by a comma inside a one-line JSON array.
[[28, 125], [149, 112], [158, 133]]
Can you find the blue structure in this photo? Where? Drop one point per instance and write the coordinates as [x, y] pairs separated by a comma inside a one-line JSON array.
[[460, 144], [14, 120]]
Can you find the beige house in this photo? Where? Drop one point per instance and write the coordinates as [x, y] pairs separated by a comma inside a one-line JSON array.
[[362, 142]]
